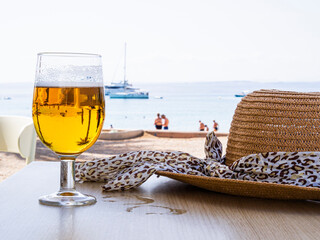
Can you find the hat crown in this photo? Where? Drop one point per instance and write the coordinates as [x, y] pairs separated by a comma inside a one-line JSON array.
[[274, 121]]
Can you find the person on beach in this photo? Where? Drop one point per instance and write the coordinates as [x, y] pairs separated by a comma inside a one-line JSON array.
[[202, 126], [158, 122], [215, 126], [206, 128], [165, 123]]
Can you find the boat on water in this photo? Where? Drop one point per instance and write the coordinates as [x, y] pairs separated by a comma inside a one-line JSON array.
[[118, 87], [130, 94], [124, 89], [242, 94], [6, 98]]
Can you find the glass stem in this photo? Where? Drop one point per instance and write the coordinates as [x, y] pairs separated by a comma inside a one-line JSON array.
[[67, 178]]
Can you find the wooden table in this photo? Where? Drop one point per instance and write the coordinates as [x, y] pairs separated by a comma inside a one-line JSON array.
[[160, 209]]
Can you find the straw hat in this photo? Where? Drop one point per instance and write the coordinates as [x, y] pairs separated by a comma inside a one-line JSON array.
[[275, 121], [267, 121]]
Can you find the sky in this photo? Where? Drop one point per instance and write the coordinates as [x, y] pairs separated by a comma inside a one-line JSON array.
[[167, 40]]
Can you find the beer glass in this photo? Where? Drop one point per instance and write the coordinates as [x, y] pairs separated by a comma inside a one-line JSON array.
[[68, 114]]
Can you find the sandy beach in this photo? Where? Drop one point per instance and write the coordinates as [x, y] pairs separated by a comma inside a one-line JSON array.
[[10, 163]]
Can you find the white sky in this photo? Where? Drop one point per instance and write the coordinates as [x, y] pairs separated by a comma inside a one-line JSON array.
[[167, 40]]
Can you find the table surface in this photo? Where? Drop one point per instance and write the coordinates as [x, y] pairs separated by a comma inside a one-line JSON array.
[[159, 209]]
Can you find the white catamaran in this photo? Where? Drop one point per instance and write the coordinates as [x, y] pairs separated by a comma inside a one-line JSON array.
[[123, 89]]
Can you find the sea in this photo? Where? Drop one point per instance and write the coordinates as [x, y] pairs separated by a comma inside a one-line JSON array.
[[184, 104]]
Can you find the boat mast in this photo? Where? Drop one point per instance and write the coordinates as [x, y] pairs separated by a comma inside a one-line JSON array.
[[124, 66]]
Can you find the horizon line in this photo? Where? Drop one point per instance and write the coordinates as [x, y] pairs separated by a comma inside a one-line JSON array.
[[252, 81]]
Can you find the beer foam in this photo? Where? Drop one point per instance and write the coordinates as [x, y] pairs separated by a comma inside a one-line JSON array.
[[69, 76], [67, 84]]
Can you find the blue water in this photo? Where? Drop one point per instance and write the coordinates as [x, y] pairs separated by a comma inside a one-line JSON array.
[[183, 103]]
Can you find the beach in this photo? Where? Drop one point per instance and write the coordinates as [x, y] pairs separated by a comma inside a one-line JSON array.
[[11, 163]]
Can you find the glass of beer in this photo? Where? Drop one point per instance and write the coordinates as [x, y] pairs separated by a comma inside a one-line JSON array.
[[68, 114]]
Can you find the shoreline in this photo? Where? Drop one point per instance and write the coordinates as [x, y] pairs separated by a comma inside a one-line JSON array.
[[107, 133], [182, 134]]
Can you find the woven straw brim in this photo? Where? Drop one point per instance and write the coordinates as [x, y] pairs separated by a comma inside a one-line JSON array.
[[247, 188]]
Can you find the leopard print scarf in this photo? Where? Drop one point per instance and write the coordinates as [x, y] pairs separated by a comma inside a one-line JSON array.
[[129, 170]]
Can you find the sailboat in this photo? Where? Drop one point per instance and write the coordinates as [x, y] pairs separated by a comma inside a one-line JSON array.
[[124, 89]]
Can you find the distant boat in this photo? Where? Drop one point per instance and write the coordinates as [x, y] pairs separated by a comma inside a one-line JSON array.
[[119, 87], [130, 95], [242, 94], [123, 89]]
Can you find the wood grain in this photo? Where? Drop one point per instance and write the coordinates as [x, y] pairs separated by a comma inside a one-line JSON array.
[[160, 209]]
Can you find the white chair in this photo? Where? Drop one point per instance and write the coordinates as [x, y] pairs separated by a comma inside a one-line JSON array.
[[17, 135]]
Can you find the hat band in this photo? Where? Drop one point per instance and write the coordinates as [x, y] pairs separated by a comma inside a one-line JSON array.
[[129, 170]]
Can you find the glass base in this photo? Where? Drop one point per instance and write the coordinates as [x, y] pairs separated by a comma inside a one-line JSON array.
[[68, 198]]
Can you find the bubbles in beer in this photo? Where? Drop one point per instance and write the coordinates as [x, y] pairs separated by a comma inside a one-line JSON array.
[[67, 119]]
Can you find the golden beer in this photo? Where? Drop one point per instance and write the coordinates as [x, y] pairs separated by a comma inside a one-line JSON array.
[[68, 120]]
